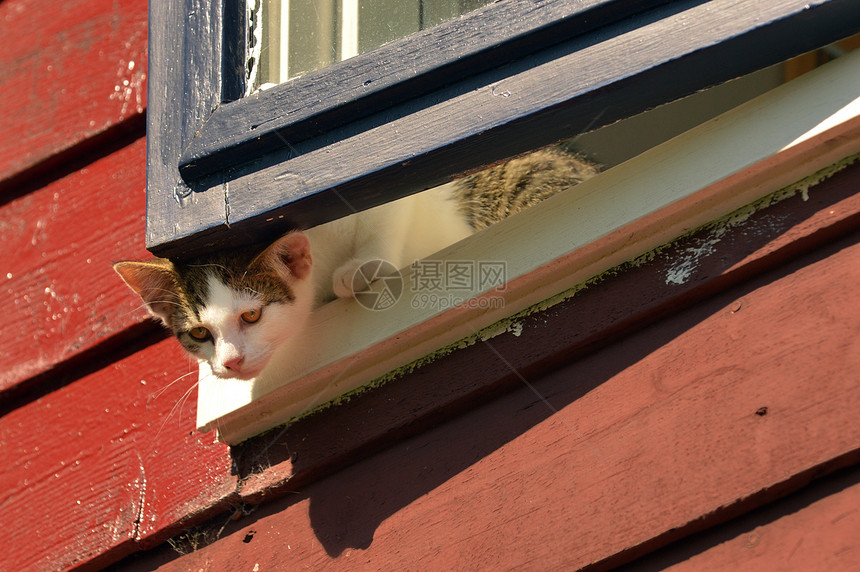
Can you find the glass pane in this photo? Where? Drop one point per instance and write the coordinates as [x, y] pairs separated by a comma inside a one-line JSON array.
[[289, 38]]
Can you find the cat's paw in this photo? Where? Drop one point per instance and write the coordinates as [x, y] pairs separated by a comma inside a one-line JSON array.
[[348, 279]]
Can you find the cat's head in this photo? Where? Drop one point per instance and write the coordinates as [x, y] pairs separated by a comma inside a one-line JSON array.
[[231, 309]]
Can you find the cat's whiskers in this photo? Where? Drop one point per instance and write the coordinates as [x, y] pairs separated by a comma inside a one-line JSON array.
[[179, 402], [158, 393], [168, 302]]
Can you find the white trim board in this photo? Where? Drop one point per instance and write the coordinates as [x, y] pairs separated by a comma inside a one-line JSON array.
[[697, 177]]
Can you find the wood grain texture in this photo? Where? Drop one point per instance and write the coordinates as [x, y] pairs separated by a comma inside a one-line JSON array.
[[68, 72], [107, 461], [61, 297], [821, 536], [710, 412], [345, 91], [186, 87]]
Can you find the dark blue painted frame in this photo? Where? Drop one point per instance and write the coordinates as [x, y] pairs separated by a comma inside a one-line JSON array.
[[512, 76]]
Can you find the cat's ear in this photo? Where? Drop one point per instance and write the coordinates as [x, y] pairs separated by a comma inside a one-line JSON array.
[[289, 257], [155, 282]]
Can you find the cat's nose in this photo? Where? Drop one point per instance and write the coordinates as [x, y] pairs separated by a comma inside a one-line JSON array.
[[234, 363]]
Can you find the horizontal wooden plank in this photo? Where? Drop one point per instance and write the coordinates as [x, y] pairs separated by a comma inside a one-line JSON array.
[[60, 295], [90, 469], [710, 412], [68, 72], [346, 91], [814, 529]]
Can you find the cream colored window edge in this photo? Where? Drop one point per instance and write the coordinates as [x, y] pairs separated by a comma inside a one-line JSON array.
[[699, 176]]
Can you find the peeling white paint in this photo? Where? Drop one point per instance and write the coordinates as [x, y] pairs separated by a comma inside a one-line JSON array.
[[492, 331], [681, 272]]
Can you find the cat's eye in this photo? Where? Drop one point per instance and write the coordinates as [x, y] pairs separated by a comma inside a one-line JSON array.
[[199, 333], [252, 316]]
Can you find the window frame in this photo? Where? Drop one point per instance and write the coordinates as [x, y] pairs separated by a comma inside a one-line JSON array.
[[224, 170]]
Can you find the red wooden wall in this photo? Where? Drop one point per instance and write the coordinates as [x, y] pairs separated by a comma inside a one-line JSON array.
[[91, 441], [706, 425]]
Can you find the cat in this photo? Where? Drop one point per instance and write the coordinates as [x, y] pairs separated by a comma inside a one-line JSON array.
[[236, 308], [497, 192]]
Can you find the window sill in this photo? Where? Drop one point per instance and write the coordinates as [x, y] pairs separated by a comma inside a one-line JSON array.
[[627, 211]]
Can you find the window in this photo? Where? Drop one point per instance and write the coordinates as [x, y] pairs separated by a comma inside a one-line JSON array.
[[292, 38], [220, 167], [417, 111]]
